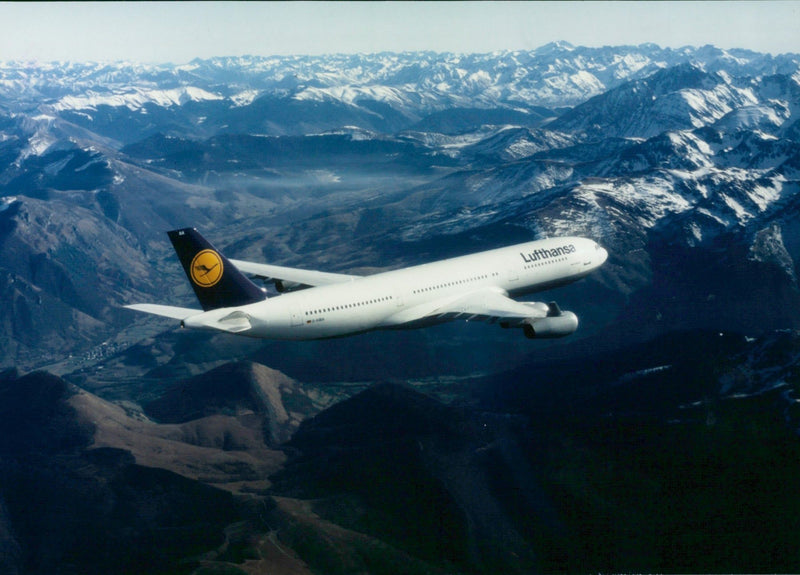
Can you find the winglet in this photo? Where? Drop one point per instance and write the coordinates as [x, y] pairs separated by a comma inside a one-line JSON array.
[[215, 280]]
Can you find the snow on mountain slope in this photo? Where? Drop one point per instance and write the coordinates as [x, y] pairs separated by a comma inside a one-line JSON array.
[[678, 98], [136, 98], [554, 75]]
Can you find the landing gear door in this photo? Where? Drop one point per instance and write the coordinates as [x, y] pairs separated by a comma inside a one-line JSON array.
[[513, 271], [296, 317]]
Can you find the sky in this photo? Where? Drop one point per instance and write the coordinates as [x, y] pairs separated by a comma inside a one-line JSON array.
[[177, 32]]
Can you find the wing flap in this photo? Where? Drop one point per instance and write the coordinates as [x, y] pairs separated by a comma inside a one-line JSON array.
[[490, 305], [304, 277]]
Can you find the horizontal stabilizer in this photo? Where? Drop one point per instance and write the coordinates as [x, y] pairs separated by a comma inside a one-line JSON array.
[[223, 319], [235, 322], [173, 312]]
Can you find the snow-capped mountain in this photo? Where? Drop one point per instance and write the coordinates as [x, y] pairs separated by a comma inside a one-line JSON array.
[[416, 84]]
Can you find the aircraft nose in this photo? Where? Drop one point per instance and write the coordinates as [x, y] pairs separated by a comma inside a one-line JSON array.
[[602, 255]]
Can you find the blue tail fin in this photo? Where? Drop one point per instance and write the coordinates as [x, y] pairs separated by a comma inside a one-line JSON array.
[[216, 281]]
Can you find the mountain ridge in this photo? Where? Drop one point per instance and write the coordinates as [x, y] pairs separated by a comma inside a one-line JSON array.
[[320, 169]]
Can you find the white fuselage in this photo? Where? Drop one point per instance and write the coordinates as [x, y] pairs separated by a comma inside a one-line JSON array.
[[398, 298]]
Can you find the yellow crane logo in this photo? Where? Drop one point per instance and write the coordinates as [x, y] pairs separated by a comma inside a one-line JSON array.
[[206, 268]]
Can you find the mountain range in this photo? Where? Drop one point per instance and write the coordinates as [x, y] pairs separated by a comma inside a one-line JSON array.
[[292, 159], [683, 163]]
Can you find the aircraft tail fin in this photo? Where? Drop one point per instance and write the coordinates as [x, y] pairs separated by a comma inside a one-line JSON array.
[[215, 280]]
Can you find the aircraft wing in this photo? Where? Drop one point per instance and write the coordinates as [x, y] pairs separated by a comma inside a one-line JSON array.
[[491, 305], [291, 275]]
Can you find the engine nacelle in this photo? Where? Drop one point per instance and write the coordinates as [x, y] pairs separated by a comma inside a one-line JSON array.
[[552, 326], [284, 286]]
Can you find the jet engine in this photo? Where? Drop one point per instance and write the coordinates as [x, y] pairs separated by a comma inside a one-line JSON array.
[[557, 323]]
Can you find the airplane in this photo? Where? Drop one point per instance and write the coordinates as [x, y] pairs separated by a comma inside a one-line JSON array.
[[319, 305]]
